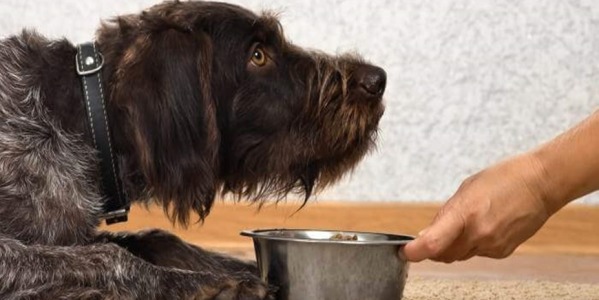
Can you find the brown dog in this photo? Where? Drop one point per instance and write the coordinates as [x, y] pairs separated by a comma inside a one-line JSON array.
[[202, 98]]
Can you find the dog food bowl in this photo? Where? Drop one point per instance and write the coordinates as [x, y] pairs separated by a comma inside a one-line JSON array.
[[331, 265]]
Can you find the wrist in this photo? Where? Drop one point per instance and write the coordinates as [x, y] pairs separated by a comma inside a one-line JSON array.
[[544, 182], [569, 164]]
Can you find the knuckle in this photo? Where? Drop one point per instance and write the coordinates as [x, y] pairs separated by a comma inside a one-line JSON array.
[[496, 254], [507, 251], [499, 251], [447, 260], [432, 245], [485, 233]]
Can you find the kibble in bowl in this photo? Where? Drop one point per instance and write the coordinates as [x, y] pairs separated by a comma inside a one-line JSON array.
[[344, 237]]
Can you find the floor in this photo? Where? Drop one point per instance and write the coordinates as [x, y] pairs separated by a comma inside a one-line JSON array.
[[566, 249]]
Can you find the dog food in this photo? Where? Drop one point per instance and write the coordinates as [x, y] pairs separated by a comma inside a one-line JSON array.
[[344, 237]]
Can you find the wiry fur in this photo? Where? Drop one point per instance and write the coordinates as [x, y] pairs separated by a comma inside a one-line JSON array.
[[191, 117]]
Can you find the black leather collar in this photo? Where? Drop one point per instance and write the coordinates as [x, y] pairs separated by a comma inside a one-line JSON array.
[[89, 65]]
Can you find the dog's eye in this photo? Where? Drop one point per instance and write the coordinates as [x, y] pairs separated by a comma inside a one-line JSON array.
[[259, 57]]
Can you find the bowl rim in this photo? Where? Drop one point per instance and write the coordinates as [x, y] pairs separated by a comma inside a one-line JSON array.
[[260, 234]]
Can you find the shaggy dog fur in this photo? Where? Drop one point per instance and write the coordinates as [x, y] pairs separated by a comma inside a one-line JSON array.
[[203, 98]]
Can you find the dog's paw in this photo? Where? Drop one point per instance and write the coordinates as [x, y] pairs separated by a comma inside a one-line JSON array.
[[247, 286]]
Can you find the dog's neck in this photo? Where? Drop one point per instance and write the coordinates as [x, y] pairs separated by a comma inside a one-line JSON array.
[[63, 96]]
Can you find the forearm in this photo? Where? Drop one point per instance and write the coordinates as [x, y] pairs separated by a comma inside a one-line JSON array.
[[569, 164]]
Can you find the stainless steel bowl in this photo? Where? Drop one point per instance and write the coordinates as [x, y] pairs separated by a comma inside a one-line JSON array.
[[316, 265]]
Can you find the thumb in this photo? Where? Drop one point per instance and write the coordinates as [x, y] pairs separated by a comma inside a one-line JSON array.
[[434, 241]]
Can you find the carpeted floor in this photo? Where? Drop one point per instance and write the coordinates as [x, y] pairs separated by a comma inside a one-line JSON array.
[[419, 288]]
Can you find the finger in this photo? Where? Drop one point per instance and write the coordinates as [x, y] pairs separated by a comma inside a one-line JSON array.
[[473, 252], [401, 251], [436, 239], [459, 249], [498, 252]]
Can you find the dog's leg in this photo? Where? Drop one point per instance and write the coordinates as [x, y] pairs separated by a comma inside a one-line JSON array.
[[162, 248], [167, 250], [102, 271]]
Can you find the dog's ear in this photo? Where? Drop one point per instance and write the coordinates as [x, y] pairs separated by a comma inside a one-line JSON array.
[[163, 86]]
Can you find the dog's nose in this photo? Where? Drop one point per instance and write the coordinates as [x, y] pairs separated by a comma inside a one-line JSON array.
[[371, 80]]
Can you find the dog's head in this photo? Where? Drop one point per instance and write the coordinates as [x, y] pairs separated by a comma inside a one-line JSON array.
[[216, 99]]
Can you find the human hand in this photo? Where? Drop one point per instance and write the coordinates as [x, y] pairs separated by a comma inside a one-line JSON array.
[[491, 214]]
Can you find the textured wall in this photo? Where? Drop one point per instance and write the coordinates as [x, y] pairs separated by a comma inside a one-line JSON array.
[[470, 81]]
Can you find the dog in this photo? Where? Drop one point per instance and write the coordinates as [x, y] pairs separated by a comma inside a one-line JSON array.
[[202, 98]]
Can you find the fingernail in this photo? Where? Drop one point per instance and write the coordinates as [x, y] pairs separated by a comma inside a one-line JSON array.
[[423, 232]]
